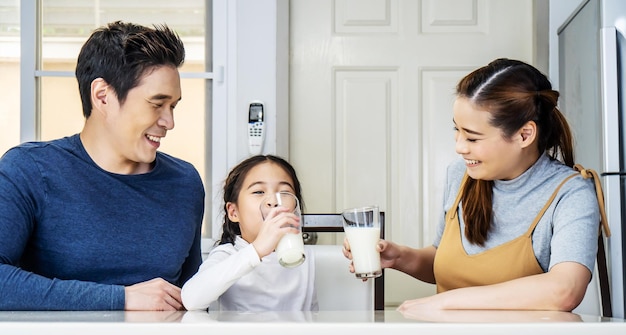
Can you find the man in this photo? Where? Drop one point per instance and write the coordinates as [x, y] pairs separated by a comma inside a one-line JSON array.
[[101, 220]]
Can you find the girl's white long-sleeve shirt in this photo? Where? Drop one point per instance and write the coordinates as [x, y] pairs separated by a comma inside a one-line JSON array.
[[235, 278]]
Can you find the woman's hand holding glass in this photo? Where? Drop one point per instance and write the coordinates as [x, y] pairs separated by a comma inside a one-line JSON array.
[[388, 254]]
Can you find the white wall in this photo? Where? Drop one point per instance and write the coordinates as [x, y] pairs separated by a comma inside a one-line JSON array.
[[250, 62]]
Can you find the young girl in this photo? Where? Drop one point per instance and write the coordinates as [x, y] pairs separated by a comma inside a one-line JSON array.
[[243, 272]]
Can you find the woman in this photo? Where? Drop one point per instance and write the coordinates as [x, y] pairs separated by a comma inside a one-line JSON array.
[[520, 225]]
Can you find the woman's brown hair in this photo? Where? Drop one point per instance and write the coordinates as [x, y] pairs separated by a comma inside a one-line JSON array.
[[514, 93]]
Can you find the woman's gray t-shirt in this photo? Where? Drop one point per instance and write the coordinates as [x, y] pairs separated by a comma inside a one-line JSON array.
[[568, 230]]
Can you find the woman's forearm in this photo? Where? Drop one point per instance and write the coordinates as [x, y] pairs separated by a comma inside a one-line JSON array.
[[417, 263], [561, 289]]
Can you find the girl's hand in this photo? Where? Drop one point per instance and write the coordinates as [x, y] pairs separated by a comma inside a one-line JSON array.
[[279, 221]]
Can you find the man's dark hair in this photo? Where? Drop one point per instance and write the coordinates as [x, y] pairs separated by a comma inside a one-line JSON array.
[[121, 54]]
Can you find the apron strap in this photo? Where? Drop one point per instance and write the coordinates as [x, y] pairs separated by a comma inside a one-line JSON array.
[[530, 230], [589, 173]]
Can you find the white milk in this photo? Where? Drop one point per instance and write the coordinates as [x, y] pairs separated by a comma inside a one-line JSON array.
[[365, 257], [290, 250]]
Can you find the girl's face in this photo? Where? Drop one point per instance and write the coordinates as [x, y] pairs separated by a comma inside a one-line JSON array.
[[488, 155], [264, 179]]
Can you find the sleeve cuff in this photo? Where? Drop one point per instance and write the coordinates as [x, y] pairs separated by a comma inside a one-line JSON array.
[[118, 298]]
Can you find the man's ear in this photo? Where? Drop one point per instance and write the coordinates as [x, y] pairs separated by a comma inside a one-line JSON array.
[[99, 94], [232, 212], [528, 133]]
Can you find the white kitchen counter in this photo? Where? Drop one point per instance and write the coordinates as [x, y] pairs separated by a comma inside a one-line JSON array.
[[303, 323]]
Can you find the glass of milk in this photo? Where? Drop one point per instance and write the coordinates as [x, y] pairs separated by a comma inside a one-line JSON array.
[[362, 228], [290, 248]]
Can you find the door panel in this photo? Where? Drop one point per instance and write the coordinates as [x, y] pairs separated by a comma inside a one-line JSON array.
[[362, 138]]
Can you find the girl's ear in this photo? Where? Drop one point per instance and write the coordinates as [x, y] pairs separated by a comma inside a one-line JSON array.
[[232, 212]]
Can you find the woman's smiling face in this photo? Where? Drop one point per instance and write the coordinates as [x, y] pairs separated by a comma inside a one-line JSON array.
[[488, 154]]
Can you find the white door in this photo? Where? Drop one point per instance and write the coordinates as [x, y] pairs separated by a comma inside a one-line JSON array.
[[371, 90]]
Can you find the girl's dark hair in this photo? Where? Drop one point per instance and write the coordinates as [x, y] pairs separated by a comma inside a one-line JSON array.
[[122, 53], [514, 93], [234, 182]]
